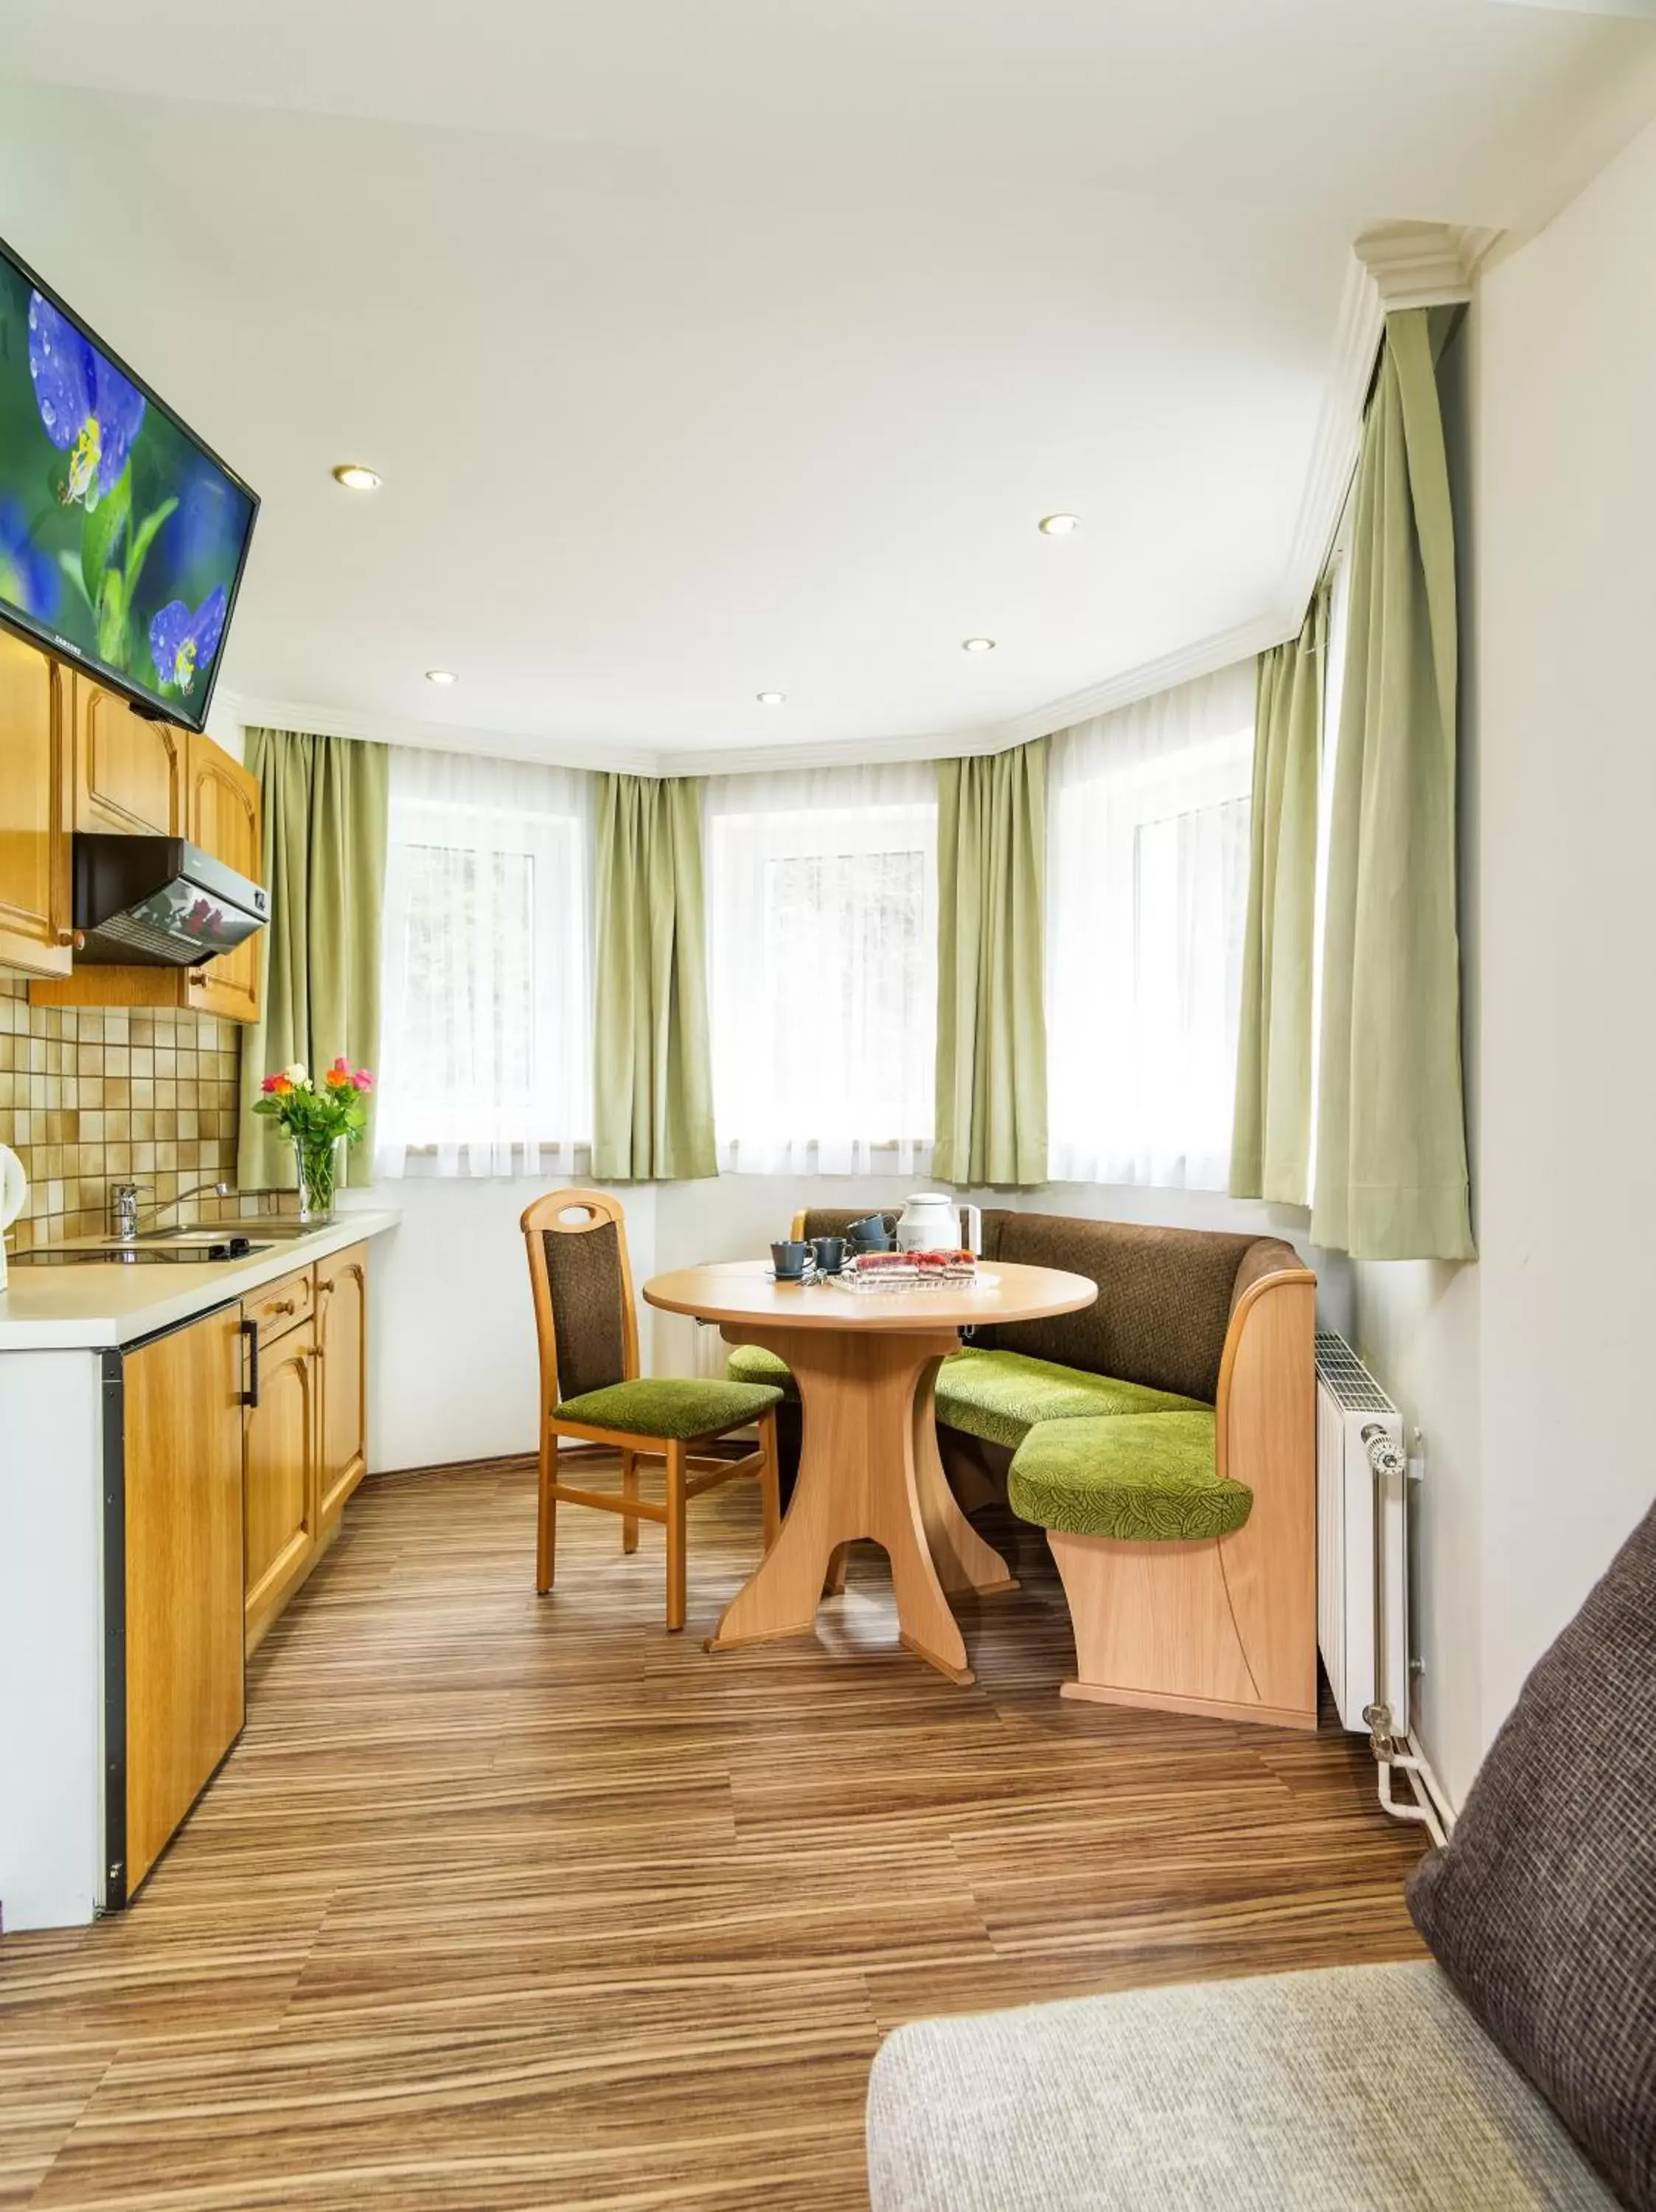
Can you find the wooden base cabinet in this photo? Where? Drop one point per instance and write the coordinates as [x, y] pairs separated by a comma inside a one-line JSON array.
[[305, 1444], [182, 1509], [342, 1358], [279, 1476]]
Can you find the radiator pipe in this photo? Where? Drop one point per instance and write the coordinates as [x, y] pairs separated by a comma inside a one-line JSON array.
[[1392, 1750]]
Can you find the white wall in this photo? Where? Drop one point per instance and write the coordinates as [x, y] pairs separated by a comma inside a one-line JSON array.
[[454, 1366], [1525, 1371], [1566, 589]]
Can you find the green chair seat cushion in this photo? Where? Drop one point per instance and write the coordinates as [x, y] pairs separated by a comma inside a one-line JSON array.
[[671, 1409], [751, 1362], [1149, 1477], [1001, 1395]]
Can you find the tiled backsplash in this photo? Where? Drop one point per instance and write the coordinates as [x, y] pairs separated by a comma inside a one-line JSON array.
[[88, 1098]]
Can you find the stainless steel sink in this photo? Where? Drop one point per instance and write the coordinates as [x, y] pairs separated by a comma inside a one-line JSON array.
[[262, 1226]]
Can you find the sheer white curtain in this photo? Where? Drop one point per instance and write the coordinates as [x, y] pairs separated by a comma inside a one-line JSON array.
[[822, 970], [1147, 903], [486, 1032]]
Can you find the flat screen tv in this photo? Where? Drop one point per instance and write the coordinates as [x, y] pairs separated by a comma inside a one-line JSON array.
[[122, 538]]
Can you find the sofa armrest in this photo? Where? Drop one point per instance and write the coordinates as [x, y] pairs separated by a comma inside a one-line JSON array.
[[1266, 1437]]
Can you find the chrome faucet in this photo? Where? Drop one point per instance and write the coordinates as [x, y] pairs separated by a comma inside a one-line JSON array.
[[124, 1206]]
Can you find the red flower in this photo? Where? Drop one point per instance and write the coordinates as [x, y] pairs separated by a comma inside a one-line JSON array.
[[274, 1085]]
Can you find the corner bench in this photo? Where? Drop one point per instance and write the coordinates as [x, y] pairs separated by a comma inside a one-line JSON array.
[[1165, 1439]]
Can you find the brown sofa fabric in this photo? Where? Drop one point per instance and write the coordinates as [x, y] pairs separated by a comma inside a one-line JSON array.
[[1266, 1256], [1164, 1297], [834, 1220]]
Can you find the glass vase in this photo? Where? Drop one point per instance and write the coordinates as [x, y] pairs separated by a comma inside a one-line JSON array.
[[319, 1169]]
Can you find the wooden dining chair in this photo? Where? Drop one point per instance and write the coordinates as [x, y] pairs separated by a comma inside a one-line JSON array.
[[591, 1390]]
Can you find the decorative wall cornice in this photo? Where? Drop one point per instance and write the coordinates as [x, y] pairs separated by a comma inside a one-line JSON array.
[[1396, 265], [1423, 264]]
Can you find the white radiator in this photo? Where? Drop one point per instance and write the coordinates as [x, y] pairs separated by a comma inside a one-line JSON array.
[[709, 1353], [1363, 1601], [1362, 1573]]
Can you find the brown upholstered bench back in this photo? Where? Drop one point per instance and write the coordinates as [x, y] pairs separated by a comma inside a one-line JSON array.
[[834, 1220], [1164, 1295]]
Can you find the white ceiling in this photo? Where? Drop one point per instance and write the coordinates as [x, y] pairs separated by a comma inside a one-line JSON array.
[[708, 349]]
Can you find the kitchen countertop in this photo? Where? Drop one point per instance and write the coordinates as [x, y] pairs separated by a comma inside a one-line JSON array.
[[86, 1307]]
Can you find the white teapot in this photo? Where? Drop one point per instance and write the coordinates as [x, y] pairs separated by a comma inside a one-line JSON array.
[[14, 1189], [931, 1221]]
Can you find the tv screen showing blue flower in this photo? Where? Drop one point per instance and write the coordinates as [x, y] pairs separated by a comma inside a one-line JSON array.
[[122, 538]]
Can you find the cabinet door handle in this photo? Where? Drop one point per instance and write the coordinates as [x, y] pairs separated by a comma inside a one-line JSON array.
[[283, 1305], [249, 1338], [198, 978]]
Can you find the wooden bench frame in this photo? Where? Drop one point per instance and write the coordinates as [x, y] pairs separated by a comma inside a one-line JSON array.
[[1225, 1627]]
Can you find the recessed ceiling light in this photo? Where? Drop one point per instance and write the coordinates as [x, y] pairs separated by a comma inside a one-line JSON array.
[[771, 698], [442, 675], [356, 477], [977, 645], [1059, 525]]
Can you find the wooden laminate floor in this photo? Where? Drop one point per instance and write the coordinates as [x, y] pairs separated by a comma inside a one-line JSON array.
[[502, 1903]]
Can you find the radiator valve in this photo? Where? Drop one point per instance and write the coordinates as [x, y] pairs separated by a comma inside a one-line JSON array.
[[1386, 1453]]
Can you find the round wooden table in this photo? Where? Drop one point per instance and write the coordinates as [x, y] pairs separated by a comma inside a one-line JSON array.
[[866, 1366]]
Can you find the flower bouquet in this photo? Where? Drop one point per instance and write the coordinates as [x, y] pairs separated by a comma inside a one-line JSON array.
[[321, 1122]]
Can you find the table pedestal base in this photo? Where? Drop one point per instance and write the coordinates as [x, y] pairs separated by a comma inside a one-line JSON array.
[[868, 1467]]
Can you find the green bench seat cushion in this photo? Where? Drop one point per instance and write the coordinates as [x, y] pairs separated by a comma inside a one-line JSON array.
[[668, 1408], [751, 1362], [1001, 1395], [1147, 1477]]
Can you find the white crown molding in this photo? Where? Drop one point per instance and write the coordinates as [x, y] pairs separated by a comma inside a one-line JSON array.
[[1391, 265], [253, 712], [1423, 264]]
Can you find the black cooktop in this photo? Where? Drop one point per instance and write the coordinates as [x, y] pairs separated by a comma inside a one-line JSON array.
[[53, 1255]]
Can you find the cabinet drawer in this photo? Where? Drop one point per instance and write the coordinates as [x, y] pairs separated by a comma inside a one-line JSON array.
[[281, 1306]]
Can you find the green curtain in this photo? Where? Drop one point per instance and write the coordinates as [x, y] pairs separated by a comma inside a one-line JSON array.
[[992, 1027], [325, 808], [1270, 1137], [652, 1069], [1391, 1172]]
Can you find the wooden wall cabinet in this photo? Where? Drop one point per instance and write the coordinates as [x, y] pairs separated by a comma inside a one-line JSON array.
[[222, 813], [36, 809], [129, 769], [182, 1504], [305, 1434], [133, 776]]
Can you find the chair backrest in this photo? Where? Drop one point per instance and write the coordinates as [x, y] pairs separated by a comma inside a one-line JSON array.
[[583, 1285]]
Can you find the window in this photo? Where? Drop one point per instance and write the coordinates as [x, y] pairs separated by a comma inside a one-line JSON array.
[[821, 929], [1147, 906], [486, 1026]]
